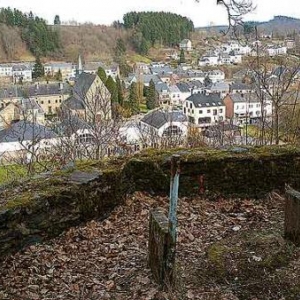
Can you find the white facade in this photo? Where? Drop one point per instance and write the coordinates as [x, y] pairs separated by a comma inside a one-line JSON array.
[[22, 73], [206, 115], [216, 75], [251, 110], [274, 50], [209, 60], [186, 45], [176, 97], [6, 70]]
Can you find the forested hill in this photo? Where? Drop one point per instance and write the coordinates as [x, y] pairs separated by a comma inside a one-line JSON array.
[[39, 38], [165, 28], [25, 36]]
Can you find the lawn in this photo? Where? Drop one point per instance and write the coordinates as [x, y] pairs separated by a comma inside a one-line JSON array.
[[11, 172]]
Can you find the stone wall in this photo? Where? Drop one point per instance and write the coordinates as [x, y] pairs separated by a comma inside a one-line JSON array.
[[47, 205]]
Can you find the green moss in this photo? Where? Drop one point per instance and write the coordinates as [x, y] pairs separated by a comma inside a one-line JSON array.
[[216, 256]]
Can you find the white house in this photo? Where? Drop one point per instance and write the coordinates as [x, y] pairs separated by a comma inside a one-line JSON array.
[[6, 70], [22, 137], [209, 60], [246, 108], [216, 75], [161, 127], [185, 45], [175, 95], [276, 50], [22, 73], [204, 110], [185, 90]]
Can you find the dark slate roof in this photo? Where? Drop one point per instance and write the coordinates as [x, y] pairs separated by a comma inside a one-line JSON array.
[[34, 90], [195, 84], [240, 86], [216, 130], [30, 103], [70, 124], [249, 98], [203, 100], [162, 87], [157, 118], [165, 70], [74, 103], [148, 77], [83, 83], [21, 68], [183, 87], [25, 131]]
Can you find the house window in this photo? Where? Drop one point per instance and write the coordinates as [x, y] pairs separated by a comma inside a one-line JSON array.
[[204, 120], [184, 110], [187, 105], [56, 101], [200, 111], [85, 138], [208, 111], [42, 102], [192, 111], [220, 110], [191, 105], [49, 110], [250, 105], [49, 101], [215, 112], [258, 105]]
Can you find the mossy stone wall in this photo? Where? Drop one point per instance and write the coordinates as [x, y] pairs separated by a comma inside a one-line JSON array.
[[44, 207]]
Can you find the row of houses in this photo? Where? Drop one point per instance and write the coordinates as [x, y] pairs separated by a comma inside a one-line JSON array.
[[17, 72]]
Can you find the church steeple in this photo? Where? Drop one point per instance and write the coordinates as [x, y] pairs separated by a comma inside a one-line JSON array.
[[79, 66]]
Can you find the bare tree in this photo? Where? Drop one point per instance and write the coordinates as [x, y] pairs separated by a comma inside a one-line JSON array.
[[25, 141], [236, 10]]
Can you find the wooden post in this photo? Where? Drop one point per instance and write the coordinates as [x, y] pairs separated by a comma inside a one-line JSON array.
[[292, 216], [162, 234]]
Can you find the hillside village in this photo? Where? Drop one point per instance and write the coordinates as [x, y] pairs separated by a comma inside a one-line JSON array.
[[187, 88], [193, 103], [149, 159]]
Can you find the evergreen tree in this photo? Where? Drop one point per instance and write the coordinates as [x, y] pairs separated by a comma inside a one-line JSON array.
[[151, 96], [102, 74], [182, 57], [120, 49], [38, 69], [207, 81], [57, 20], [112, 87], [120, 91], [133, 99], [165, 28], [58, 75]]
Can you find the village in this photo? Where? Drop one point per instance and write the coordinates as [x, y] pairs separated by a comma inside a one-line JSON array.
[[198, 102]]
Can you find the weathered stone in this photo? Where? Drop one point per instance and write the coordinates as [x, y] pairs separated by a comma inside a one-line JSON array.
[[79, 177], [292, 216], [161, 249]]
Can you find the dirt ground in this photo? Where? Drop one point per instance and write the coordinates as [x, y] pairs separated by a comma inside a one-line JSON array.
[[227, 249]]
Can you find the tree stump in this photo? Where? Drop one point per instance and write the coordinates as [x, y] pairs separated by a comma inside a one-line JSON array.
[[161, 249], [292, 216]]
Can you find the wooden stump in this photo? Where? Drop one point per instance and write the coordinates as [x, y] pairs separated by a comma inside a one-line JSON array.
[[292, 216], [161, 249]]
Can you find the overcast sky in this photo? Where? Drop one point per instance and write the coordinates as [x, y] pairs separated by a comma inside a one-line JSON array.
[[106, 11]]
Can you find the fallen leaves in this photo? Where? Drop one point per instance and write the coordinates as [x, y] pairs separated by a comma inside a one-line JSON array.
[[108, 259]]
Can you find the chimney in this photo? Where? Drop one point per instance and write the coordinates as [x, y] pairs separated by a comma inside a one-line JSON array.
[[61, 86]]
